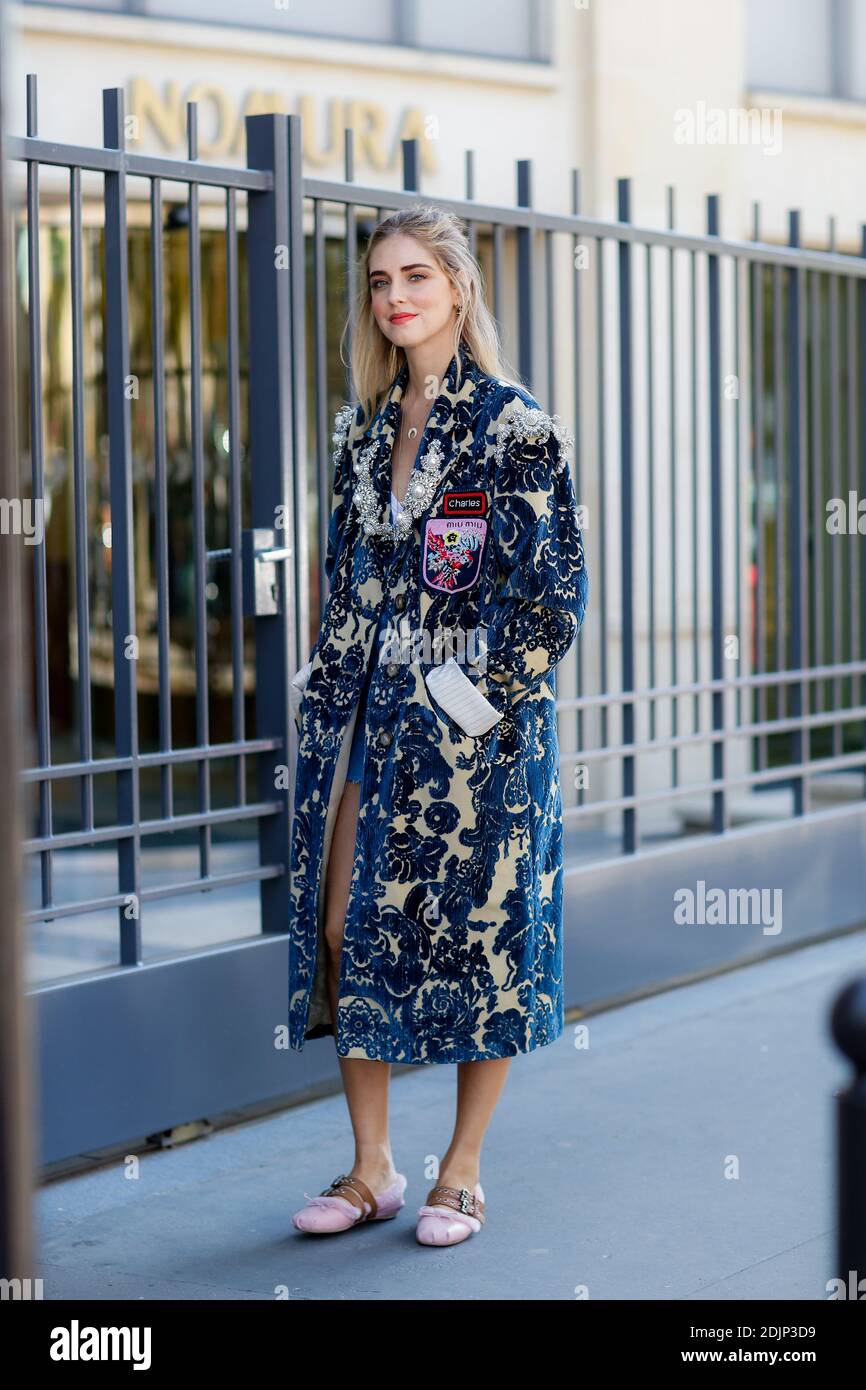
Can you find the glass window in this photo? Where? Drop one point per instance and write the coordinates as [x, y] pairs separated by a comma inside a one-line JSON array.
[[789, 45], [500, 27], [855, 54], [337, 19], [83, 4], [489, 28], [810, 46]]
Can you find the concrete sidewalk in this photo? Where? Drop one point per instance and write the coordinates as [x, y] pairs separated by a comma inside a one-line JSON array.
[[604, 1167]]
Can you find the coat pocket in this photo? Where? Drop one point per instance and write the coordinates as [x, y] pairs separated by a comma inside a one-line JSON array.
[[453, 690]]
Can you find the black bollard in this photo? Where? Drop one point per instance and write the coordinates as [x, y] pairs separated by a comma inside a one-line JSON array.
[[848, 1026]]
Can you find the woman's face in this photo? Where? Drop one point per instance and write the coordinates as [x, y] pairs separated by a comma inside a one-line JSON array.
[[413, 299]]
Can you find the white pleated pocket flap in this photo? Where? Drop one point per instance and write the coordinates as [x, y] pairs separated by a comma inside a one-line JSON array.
[[296, 687], [461, 701]]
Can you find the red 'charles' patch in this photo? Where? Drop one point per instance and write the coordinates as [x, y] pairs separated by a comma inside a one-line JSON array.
[[464, 504]]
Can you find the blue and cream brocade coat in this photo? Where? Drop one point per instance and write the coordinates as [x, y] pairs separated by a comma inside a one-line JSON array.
[[452, 946]]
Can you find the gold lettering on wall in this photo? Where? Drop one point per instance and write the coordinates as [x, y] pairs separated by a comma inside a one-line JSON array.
[[333, 123], [161, 114], [367, 120]]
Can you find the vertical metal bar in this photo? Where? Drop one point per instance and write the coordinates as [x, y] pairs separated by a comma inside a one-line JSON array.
[[37, 462], [198, 504], [525, 318], [601, 527], [160, 491], [122, 569], [861, 363], [320, 394], [17, 1125], [271, 436], [629, 818], [817, 357], [836, 596], [498, 272], [696, 625], [469, 180], [233, 368], [852, 609], [674, 486], [576, 329], [758, 292], [297, 300], [737, 269], [79, 470], [651, 487], [717, 578], [550, 320], [779, 445], [351, 252], [411, 166], [796, 407]]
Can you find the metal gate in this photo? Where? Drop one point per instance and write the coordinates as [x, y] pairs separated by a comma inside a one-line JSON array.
[[149, 1040]]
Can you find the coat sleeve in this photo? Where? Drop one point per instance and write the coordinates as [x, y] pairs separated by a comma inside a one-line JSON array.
[[543, 585]]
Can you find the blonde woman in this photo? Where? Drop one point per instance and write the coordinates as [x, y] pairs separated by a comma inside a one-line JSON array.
[[427, 845]]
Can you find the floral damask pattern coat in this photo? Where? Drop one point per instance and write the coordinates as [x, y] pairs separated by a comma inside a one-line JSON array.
[[452, 948]]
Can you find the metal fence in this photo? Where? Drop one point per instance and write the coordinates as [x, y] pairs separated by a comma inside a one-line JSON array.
[[704, 507], [716, 391], [273, 428]]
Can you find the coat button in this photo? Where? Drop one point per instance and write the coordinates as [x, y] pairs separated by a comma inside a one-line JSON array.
[[392, 668], [385, 739], [399, 602]]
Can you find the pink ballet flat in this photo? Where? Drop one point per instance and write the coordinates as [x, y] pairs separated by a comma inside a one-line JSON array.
[[451, 1214], [329, 1212]]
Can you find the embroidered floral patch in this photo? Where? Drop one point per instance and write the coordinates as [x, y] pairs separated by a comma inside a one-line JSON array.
[[451, 552]]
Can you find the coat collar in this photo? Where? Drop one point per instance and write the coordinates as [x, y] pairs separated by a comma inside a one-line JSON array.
[[449, 423]]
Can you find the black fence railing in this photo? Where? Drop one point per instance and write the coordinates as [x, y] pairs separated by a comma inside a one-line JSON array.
[[716, 389]]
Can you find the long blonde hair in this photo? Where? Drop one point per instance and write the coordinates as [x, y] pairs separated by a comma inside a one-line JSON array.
[[375, 360]]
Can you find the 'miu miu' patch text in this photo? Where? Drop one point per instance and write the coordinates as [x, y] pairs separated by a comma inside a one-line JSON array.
[[451, 552]]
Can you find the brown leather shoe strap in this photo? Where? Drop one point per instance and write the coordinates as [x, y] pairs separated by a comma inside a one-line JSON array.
[[458, 1198], [351, 1189]]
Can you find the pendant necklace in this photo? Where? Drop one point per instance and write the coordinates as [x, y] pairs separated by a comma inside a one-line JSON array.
[[411, 433]]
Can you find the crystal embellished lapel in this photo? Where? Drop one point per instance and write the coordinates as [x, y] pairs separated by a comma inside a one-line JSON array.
[[422, 489], [372, 492]]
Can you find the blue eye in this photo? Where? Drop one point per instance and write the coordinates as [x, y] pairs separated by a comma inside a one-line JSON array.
[[416, 275]]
